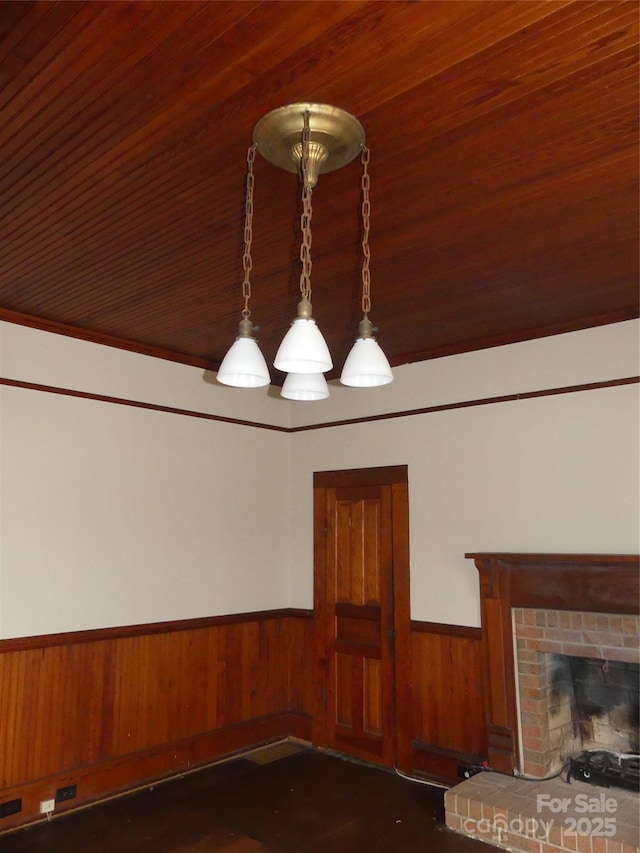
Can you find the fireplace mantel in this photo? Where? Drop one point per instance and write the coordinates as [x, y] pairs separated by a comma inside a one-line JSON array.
[[576, 582]]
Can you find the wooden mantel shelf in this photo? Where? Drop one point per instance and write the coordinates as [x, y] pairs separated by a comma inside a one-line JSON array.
[[600, 583], [551, 559]]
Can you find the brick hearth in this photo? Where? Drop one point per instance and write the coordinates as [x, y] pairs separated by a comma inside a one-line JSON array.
[[514, 814]]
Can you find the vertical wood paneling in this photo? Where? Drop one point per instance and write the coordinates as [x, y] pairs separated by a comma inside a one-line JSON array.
[[344, 685], [371, 551], [372, 696], [447, 696], [344, 568], [50, 710], [300, 637], [89, 703], [355, 536], [357, 693]]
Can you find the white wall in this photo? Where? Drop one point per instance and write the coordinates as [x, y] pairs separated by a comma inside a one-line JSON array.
[[114, 515], [31, 355], [591, 355], [117, 515], [555, 474]]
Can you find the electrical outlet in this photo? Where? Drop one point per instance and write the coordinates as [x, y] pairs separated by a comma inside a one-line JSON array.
[[66, 793], [10, 807], [47, 806]]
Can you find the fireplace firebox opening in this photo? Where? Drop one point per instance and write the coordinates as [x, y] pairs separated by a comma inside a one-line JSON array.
[[574, 696]]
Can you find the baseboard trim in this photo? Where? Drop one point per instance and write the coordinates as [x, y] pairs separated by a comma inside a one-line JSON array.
[[128, 772], [441, 765]]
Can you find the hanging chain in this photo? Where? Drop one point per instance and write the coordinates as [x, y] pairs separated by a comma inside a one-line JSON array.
[[366, 214], [248, 232], [305, 219]]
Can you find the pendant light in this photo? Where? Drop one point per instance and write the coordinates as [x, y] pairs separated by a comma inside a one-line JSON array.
[[244, 366], [366, 365], [304, 349], [305, 387]]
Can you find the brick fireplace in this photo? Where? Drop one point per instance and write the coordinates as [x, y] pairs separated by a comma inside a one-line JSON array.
[[552, 624], [570, 589], [550, 646]]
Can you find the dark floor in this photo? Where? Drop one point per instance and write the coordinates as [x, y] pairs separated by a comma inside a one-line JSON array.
[[309, 801]]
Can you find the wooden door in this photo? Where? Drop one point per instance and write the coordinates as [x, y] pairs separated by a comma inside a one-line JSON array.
[[355, 615]]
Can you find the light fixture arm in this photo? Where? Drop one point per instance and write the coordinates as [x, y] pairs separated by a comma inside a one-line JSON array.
[[246, 326], [366, 365], [304, 308], [366, 253], [244, 365]]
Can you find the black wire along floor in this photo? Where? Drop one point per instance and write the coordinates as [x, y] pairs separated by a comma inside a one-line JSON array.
[[308, 801]]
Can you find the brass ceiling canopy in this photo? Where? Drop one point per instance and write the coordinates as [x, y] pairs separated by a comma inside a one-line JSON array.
[[335, 138]]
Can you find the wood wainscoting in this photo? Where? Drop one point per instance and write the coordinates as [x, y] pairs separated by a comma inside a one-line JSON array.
[[111, 709], [447, 699]]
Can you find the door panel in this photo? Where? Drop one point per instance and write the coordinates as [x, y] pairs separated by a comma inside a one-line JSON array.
[[359, 621], [362, 700], [344, 679], [373, 696]]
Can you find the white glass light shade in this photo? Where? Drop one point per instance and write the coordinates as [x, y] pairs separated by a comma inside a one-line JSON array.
[[366, 365], [305, 387], [244, 366], [303, 349]]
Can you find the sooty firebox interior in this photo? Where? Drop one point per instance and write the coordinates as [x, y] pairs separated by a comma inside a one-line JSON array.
[[603, 696]]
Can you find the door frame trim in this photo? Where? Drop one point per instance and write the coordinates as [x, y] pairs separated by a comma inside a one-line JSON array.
[[396, 476], [384, 476]]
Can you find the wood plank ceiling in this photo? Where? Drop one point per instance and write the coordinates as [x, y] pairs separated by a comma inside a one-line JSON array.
[[504, 170]]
